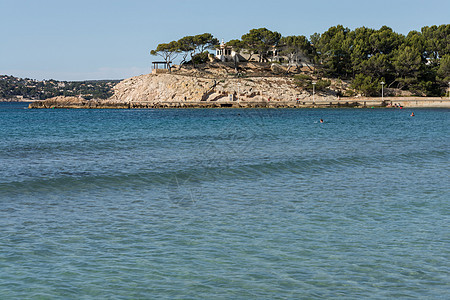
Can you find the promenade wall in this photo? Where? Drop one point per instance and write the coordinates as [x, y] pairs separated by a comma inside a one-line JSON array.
[[406, 102]]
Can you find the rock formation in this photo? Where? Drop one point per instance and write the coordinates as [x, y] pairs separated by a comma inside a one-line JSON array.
[[164, 88], [214, 85]]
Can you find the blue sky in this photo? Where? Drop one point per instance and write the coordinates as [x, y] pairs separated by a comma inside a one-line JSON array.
[[111, 39]]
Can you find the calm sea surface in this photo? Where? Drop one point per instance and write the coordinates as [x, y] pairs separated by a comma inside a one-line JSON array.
[[224, 204]]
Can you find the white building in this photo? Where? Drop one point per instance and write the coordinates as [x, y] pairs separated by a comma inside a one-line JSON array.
[[226, 53], [297, 59]]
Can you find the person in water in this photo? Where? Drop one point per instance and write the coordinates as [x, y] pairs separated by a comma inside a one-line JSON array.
[[412, 114], [321, 120]]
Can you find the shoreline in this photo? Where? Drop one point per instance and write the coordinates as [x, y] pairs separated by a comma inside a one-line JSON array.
[[179, 91], [21, 100], [387, 102]]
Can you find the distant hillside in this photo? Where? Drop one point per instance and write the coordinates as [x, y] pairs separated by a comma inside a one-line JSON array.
[[16, 89]]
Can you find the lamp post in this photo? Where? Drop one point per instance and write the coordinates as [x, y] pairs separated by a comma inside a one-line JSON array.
[[239, 87], [314, 91], [382, 91]]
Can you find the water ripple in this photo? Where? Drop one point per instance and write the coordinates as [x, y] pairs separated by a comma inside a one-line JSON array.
[[190, 204]]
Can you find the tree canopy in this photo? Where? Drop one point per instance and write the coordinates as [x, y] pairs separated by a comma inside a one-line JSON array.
[[417, 62], [294, 45], [260, 41], [188, 45], [167, 51]]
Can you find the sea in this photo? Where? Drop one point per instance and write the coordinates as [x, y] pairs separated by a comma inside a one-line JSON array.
[[224, 203]]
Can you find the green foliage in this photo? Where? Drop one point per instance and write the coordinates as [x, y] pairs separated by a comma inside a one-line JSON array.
[[301, 77], [306, 82], [410, 62], [295, 45], [367, 85], [186, 45], [376, 66], [416, 40], [384, 41], [321, 85], [194, 45], [302, 80], [204, 42], [437, 41], [334, 50], [200, 58], [237, 45], [424, 88], [260, 41], [349, 93], [407, 62], [167, 51], [443, 72]]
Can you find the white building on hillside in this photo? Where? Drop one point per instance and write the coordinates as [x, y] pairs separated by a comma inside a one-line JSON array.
[[297, 59], [226, 53]]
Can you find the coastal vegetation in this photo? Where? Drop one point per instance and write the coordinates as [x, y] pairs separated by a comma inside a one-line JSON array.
[[418, 63], [193, 46]]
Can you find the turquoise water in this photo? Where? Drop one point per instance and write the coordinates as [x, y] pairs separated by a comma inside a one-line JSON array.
[[220, 204]]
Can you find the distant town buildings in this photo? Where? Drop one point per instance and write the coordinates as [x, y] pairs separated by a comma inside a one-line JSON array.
[[17, 89]]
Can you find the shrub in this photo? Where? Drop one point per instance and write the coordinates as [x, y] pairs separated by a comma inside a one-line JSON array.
[[322, 84], [367, 85], [201, 58], [300, 77]]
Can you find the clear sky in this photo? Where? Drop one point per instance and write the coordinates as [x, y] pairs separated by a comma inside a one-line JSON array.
[[111, 39]]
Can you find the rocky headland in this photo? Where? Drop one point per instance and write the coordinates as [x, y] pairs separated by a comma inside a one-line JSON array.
[[216, 85]]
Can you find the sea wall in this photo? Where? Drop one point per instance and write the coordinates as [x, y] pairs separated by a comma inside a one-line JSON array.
[[76, 102], [62, 102]]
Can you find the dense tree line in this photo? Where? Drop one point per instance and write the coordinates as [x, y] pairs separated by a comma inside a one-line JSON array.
[[418, 62], [11, 87]]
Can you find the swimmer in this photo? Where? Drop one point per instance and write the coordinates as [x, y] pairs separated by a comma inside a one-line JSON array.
[[412, 114], [321, 121]]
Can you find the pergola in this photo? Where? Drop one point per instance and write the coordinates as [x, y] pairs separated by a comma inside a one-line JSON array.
[[157, 64]]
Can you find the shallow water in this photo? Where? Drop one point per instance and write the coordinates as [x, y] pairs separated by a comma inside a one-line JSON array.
[[224, 203]]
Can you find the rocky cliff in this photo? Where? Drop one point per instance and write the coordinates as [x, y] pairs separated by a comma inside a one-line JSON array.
[[166, 88], [212, 86]]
